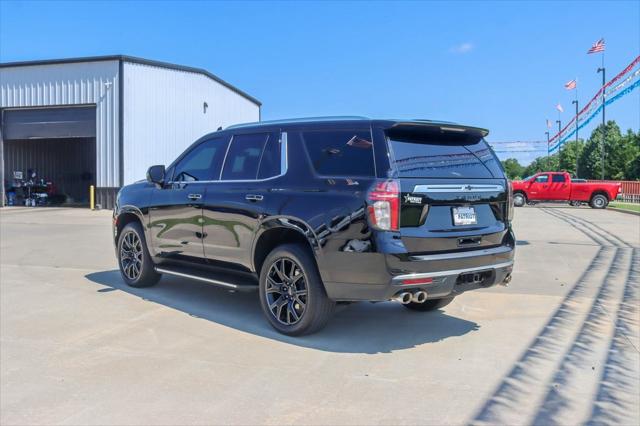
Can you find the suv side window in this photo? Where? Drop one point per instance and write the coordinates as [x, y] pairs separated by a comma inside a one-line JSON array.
[[202, 162], [557, 178], [340, 152], [542, 179], [244, 155], [271, 160]]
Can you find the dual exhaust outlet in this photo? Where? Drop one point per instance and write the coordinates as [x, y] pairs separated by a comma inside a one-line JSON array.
[[406, 297]]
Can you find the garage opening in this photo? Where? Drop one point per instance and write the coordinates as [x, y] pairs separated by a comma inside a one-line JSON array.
[[49, 155]]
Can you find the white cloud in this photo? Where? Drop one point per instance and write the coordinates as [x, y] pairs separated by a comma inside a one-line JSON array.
[[462, 48]]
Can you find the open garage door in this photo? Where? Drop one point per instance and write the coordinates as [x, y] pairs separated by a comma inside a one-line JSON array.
[[58, 144]]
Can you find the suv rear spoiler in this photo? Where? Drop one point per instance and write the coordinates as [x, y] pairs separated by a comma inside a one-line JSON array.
[[433, 127]]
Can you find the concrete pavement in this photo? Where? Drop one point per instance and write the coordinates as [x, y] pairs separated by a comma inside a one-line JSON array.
[[560, 345]]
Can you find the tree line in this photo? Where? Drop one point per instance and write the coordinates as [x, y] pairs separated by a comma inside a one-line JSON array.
[[622, 157]]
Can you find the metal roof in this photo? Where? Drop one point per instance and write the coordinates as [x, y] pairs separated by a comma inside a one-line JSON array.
[[132, 59]]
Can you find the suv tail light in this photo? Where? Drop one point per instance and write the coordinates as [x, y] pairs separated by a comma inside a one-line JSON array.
[[384, 207]]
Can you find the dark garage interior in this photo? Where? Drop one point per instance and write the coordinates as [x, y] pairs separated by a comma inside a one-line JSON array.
[[68, 164], [58, 145]]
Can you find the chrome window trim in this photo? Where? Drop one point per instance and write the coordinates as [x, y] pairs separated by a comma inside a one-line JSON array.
[[224, 160], [425, 189], [284, 166]]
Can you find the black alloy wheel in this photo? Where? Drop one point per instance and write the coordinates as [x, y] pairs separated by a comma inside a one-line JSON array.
[[286, 291], [131, 255], [292, 294], [136, 266]]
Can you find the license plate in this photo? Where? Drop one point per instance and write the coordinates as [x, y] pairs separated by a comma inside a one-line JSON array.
[[464, 216]]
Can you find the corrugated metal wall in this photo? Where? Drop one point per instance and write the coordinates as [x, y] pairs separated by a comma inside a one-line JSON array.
[[73, 84], [164, 114]]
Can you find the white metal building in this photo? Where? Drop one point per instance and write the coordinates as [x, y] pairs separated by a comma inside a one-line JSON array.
[[104, 120]]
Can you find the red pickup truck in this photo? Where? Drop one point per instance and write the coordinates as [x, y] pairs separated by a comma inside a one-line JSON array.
[[557, 186]]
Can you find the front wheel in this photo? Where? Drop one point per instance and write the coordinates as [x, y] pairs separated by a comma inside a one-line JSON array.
[[292, 295], [599, 201], [136, 266], [429, 305], [519, 200]]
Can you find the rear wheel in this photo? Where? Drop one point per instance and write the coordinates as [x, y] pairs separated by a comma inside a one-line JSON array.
[[429, 305], [136, 266], [599, 201], [519, 199], [292, 295]]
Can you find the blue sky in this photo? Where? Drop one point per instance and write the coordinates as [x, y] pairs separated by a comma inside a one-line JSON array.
[[500, 65]]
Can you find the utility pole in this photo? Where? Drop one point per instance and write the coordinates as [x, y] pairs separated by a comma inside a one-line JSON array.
[[548, 142], [577, 143], [604, 129], [559, 146]]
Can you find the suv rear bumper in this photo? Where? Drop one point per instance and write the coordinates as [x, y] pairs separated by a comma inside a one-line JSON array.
[[440, 275]]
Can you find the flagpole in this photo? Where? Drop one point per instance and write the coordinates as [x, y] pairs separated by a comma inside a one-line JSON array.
[[604, 130], [548, 149], [559, 130], [577, 142]]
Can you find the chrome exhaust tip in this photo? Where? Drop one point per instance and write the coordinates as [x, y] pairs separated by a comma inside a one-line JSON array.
[[419, 296], [404, 297], [506, 280]]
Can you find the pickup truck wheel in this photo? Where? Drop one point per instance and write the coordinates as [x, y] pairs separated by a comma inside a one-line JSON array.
[[599, 201], [429, 305], [136, 266], [519, 200], [292, 295]]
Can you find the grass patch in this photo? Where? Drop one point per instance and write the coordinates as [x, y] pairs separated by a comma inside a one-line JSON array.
[[625, 206]]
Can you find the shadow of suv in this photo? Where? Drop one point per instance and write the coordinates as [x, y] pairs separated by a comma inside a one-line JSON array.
[[311, 212]]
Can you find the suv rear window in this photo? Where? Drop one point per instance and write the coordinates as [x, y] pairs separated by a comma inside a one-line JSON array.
[[442, 156], [340, 152]]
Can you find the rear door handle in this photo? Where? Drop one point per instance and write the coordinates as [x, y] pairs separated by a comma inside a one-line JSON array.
[[194, 196], [251, 197]]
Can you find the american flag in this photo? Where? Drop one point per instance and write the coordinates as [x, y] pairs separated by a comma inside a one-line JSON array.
[[570, 85], [598, 46], [548, 123]]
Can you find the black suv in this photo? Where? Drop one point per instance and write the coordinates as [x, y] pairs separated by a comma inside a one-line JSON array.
[[314, 212]]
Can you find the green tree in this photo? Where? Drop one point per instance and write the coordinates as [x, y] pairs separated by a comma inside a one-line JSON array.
[[568, 154], [620, 154], [513, 168], [632, 144], [622, 160], [542, 164]]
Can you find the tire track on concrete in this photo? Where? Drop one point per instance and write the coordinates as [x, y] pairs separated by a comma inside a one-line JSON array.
[[526, 385], [583, 225], [617, 397], [530, 374], [577, 374], [590, 225]]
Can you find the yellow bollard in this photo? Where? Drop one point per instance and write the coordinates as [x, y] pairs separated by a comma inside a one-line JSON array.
[[92, 197]]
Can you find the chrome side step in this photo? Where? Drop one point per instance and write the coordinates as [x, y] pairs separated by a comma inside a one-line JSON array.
[[224, 283]]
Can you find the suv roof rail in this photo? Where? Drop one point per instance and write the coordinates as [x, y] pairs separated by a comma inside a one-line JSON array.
[[299, 120]]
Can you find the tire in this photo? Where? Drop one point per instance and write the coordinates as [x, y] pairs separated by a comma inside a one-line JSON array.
[[519, 199], [599, 201], [134, 261], [292, 295], [429, 305]]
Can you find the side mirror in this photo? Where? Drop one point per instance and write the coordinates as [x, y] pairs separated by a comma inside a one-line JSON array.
[[155, 175]]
